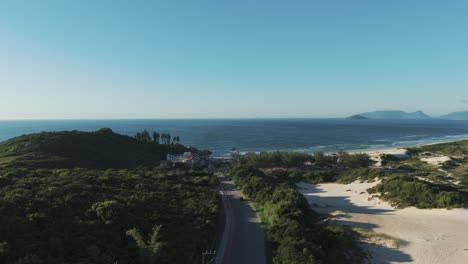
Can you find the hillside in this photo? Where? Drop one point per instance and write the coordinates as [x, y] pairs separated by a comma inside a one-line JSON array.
[[395, 114], [100, 149], [101, 197]]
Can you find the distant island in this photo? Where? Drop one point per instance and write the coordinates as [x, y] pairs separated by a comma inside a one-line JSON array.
[[398, 114], [394, 114], [357, 117], [457, 115]]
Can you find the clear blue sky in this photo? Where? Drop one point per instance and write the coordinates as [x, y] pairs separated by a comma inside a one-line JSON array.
[[243, 58]]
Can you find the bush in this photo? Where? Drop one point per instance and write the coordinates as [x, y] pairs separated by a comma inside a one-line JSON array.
[[389, 159], [357, 160], [362, 174], [274, 159], [405, 191], [83, 216]]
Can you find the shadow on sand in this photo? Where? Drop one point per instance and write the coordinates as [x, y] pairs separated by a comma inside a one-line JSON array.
[[383, 255], [332, 203], [378, 253]]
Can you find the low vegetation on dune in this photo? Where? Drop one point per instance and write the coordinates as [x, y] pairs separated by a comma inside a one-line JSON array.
[[410, 182], [316, 168], [94, 197], [403, 191]]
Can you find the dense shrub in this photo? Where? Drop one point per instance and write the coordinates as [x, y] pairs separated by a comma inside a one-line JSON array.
[[142, 215], [357, 160], [405, 191], [275, 159], [389, 158]]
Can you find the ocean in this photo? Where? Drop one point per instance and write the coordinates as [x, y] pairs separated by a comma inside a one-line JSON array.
[[253, 135]]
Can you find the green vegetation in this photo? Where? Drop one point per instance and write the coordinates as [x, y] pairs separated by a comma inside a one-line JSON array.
[[359, 174], [389, 159], [416, 166], [298, 160], [273, 159], [298, 235], [77, 197], [106, 216], [358, 160], [321, 176], [100, 149], [67, 149], [405, 191], [164, 138], [295, 232]]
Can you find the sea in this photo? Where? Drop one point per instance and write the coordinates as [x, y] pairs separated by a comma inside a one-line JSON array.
[[223, 136]]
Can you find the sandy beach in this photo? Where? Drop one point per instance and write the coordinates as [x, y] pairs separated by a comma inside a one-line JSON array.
[[424, 236]]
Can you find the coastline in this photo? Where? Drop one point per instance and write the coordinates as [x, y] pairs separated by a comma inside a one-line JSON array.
[[370, 151], [389, 150]]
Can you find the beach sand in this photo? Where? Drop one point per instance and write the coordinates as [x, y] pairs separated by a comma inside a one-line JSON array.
[[425, 236]]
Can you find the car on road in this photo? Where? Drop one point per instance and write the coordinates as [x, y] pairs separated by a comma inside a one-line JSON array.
[[241, 199]]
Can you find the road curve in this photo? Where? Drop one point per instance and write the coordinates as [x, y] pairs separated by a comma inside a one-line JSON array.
[[243, 240]]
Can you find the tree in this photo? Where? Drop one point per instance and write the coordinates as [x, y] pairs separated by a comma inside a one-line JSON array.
[[156, 137], [146, 137], [150, 251], [107, 211], [143, 136], [138, 136]]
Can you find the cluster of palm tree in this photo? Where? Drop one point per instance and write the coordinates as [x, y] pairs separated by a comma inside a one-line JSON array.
[[164, 138]]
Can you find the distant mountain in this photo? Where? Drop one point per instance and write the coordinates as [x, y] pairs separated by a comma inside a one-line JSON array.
[[357, 117], [456, 115], [394, 114]]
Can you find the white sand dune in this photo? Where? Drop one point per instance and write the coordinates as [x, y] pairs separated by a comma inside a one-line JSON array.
[[436, 160], [427, 236], [375, 154]]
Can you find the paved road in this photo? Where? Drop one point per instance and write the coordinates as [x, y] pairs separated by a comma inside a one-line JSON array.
[[243, 239]]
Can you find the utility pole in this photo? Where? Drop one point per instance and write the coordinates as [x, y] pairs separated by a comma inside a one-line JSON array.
[[210, 256]]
